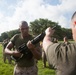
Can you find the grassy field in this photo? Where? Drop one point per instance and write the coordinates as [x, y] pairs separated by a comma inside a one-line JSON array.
[[7, 69]]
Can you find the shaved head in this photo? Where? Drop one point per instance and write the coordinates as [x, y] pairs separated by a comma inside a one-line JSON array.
[[73, 15], [23, 23], [73, 24], [24, 28]]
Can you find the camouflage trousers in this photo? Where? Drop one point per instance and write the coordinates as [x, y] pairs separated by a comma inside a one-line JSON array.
[[26, 70], [7, 57]]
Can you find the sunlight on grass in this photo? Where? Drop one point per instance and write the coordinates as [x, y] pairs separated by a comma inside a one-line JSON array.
[[7, 69]]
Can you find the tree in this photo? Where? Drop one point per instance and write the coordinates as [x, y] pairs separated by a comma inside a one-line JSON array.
[[38, 26], [67, 32], [4, 36], [0, 39], [13, 32]]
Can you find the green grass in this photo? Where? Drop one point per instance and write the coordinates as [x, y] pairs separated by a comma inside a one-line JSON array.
[[44, 71], [7, 69]]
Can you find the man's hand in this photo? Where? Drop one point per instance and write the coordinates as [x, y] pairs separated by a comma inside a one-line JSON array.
[[49, 31], [16, 53], [30, 45]]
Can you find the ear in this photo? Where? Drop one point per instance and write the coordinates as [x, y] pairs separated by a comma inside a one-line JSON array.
[[75, 22]]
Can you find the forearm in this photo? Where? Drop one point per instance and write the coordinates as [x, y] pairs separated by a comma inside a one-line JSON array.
[[47, 39], [46, 42], [35, 50], [8, 51], [36, 53], [13, 53]]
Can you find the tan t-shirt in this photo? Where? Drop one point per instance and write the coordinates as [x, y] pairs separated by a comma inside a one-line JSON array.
[[63, 58]]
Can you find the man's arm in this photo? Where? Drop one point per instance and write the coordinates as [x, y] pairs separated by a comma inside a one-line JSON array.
[[47, 39], [36, 51], [10, 52]]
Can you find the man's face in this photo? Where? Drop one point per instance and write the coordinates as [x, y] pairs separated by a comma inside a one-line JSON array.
[[24, 29], [73, 23]]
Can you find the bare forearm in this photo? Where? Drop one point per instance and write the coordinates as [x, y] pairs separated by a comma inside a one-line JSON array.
[[47, 39], [36, 53], [8, 51], [46, 42]]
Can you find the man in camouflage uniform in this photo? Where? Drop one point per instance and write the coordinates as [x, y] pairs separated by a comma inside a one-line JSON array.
[[26, 63], [5, 56], [62, 57], [65, 39]]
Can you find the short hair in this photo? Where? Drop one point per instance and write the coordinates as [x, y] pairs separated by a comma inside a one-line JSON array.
[[73, 15], [23, 23]]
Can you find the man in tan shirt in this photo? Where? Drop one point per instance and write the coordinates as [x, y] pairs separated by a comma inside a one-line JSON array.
[[62, 57]]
